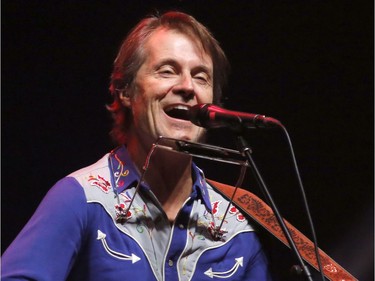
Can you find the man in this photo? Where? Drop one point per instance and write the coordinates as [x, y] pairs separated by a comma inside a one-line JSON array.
[[93, 225]]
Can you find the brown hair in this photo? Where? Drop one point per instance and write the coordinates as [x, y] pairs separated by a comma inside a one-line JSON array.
[[131, 56]]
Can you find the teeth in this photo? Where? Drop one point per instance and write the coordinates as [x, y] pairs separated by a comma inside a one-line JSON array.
[[179, 107]]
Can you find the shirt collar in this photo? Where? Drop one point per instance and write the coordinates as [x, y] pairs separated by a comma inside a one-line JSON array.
[[125, 175], [200, 186]]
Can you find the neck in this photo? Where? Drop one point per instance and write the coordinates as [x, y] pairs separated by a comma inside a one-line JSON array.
[[168, 175]]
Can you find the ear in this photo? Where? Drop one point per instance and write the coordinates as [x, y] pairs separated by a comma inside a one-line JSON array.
[[124, 97]]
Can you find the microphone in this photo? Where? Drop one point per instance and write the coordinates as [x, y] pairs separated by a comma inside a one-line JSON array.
[[211, 116]]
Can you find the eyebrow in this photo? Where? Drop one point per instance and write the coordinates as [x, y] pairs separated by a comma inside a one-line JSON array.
[[166, 61]]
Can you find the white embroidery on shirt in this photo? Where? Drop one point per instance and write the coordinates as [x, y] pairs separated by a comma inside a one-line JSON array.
[[225, 274], [133, 257]]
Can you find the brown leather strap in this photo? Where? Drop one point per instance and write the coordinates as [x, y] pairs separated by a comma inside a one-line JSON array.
[[259, 211]]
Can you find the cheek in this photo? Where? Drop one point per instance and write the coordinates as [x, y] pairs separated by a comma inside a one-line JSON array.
[[148, 91], [141, 97], [143, 109], [137, 106], [206, 97]]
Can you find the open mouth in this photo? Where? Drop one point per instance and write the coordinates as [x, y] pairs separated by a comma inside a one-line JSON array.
[[178, 111]]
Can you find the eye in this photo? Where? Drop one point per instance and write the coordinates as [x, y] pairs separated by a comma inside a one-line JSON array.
[[202, 78], [166, 71]]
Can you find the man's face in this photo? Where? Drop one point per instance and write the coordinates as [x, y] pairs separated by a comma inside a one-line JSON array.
[[176, 75]]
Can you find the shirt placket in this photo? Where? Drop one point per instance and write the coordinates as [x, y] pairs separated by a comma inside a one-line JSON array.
[[178, 242]]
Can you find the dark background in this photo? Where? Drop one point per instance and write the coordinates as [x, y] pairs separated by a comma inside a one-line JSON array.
[[306, 63]]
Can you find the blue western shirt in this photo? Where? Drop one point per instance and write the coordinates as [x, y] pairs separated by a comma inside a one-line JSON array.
[[83, 230]]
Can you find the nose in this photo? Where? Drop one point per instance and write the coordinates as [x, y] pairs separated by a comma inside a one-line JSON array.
[[185, 88]]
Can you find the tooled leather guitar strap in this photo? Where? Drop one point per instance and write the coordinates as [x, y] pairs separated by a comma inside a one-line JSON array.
[[259, 211]]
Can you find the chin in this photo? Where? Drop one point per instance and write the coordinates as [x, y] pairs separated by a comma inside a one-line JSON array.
[[192, 137], [187, 133]]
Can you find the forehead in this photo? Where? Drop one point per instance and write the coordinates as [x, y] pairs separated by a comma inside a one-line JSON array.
[[170, 42]]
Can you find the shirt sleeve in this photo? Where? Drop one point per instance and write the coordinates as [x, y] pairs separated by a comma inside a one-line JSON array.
[[47, 246]]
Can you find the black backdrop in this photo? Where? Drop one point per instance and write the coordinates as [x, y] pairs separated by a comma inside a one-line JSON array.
[[306, 63]]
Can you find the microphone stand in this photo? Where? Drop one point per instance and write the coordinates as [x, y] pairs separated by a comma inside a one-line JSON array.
[[246, 151]]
